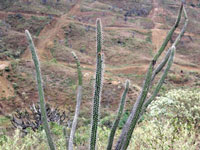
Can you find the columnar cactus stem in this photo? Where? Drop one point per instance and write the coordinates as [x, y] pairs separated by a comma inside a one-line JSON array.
[[40, 90], [171, 52], [78, 103], [119, 114], [98, 87], [169, 35], [183, 29], [133, 117], [140, 105], [169, 63], [128, 128], [126, 143], [161, 65]]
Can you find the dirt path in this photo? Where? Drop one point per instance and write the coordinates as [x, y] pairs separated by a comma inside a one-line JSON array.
[[158, 35], [50, 32], [54, 30], [46, 39]]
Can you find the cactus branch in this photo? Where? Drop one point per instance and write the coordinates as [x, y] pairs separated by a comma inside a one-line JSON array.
[[183, 29], [130, 131], [161, 65], [171, 52], [119, 114], [134, 115], [169, 35], [78, 103], [169, 63], [80, 76], [98, 87], [164, 75], [128, 128], [40, 90]]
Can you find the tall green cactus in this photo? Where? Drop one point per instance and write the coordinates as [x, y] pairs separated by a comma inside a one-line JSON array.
[[119, 114], [78, 103], [142, 103], [98, 87], [169, 35], [40, 90], [170, 52]]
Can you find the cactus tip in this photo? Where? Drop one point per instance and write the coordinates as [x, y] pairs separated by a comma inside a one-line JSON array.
[[27, 32], [127, 81], [173, 47]]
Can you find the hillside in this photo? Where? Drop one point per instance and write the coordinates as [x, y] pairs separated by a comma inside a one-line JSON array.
[[133, 31]]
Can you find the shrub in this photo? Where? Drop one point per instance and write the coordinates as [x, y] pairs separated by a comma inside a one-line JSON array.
[[171, 134], [37, 140], [181, 104], [171, 122]]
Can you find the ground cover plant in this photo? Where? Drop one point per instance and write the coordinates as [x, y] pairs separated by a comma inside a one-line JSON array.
[[140, 105]]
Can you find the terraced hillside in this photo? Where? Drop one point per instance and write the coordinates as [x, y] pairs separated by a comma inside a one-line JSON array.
[[133, 31]]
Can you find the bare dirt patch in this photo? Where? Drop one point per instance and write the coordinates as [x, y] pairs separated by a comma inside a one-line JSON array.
[[6, 88]]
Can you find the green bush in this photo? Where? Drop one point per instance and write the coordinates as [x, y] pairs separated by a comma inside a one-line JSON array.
[[171, 123], [168, 135], [181, 104], [37, 140]]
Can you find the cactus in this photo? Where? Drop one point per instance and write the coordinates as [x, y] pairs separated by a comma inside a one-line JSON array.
[[169, 54], [142, 103], [139, 107], [98, 87], [40, 90], [119, 114], [78, 103]]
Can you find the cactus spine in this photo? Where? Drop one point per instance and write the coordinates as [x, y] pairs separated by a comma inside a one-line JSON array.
[[119, 114], [98, 87], [40, 90], [78, 103]]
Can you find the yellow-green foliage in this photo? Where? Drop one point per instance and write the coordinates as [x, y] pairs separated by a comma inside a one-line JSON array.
[[31, 141], [37, 140], [83, 136], [172, 122], [156, 135], [181, 104]]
